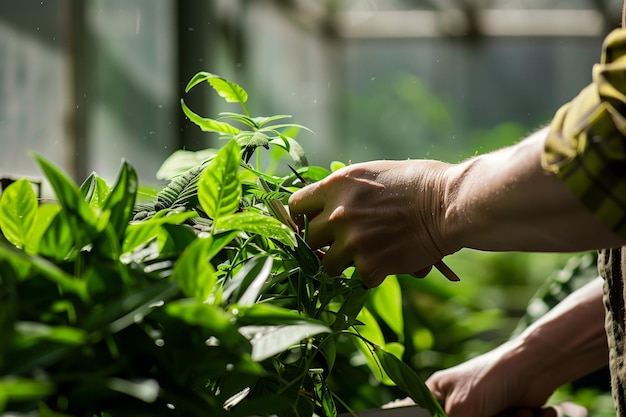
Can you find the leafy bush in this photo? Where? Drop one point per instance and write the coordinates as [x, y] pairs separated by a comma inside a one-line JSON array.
[[205, 301]]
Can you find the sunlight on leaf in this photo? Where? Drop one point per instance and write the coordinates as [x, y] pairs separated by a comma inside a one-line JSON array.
[[18, 206], [260, 224], [193, 272], [267, 341], [228, 90], [219, 190], [95, 190], [208, 125]]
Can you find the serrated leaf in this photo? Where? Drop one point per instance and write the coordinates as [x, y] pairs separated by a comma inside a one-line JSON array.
[[228, 90], [181, 191], [219, 190], [208, 125], [253, 222], [18, 206]]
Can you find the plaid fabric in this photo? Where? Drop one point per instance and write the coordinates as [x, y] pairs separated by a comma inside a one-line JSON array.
[[586, 144]]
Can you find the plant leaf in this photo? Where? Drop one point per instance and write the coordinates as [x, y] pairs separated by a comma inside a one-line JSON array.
[[324, 395], [251, 294], [142, 232], [253, 222], [254, 139], [45, 267], [95, 190], [408, 381], [18, 206], [182, 161], [45, 215], [230, 91], [82, 219], [293, 147], [23, 389], [194, 272], [121, 199], [267, 341], [181, 191], [208, 125], [219, 190], [384, 299]]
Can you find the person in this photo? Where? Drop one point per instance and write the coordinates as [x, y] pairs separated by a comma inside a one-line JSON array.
[[561, 189]]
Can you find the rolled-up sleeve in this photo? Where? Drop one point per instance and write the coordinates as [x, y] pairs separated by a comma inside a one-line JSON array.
[[586, 143]]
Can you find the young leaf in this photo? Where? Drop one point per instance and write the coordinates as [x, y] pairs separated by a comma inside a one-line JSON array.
[[95, 190], [408, 381], [121, 199], [82, 218], [208, 125], [229, 91], [260, 224], [219, 190], [18, 207]]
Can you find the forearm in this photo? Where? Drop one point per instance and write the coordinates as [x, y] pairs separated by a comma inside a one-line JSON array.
[[569, 341], [506, 201]]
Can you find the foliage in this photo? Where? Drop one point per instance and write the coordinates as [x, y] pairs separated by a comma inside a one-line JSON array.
[[203, 302]]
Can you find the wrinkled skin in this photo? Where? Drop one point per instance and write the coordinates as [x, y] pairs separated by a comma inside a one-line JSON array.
[[383, 216]]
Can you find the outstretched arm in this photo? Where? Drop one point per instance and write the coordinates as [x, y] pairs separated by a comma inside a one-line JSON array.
[[565, 344], [391, 217]]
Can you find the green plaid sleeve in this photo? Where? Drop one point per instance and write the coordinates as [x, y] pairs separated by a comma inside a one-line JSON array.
[[586, 143]]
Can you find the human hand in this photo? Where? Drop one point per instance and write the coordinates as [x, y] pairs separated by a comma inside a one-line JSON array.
[[498, 383], [384, 217]]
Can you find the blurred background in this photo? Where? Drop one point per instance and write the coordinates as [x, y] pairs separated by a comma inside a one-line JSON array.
[[87, 83]]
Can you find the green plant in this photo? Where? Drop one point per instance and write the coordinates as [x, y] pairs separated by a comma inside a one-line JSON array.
[[204, 301]]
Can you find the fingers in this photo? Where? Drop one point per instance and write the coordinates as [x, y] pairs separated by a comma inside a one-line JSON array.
[[309, 201]]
